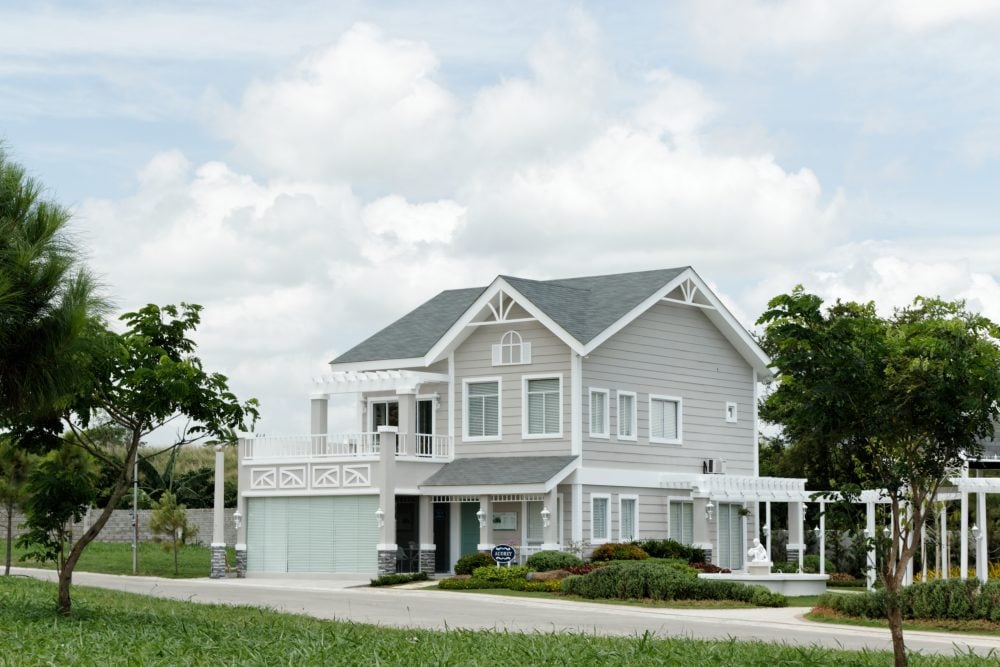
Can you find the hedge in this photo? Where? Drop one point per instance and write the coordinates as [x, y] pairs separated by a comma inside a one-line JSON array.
[[546, 561], [466, 564], [618, 551], [394, 579], [942, 599], [672, 549], [663, 581], [513, 578]]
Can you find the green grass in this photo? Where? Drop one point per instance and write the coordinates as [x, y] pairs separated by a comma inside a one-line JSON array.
[[973, 627], [116, 558], [111, 628]]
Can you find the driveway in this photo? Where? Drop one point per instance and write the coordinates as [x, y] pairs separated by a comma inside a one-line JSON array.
[[349, 598]]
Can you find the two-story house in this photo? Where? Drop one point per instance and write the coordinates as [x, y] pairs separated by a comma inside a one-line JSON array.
[[556, 414]]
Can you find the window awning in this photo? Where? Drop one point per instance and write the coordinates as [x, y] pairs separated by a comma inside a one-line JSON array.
[[352, 382]]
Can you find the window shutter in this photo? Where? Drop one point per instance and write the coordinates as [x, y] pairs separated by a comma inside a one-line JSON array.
[[525, 353], [496, 354]]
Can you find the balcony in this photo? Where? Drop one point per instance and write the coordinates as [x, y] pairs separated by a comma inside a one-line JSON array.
[[343, 447]]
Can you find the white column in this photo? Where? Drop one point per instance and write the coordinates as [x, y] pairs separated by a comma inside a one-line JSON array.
[[550, 538], [576, 403], [576, 519], [982, 559], [964, 537], [407, 424], [486, 527], [870, 532], [943, 542], [218, 515], [770, 529], [318, 412], [822, 537], [387, 489]]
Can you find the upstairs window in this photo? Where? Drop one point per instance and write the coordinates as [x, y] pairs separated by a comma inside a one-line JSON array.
[[511, 350], [599, 413], [626, 415], [482, 410], [543, 403], [665, 419]]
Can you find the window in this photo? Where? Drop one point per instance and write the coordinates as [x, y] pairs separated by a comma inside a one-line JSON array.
[[542, 414], [626, 415], [599, 413], [511, 350], [682, 522], [600, 518], [482, 409], [628, 518], [665, 419]]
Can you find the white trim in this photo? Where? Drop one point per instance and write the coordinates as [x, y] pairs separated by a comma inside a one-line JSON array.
[[370, 414], [575, 407], [606, 434], [386, 547], [635, 415], [524, 407], [732, 412], [607, 518], [635, 516], [278, 493], [756, 437], [454, 334], [465, 409], [451, 400], [514, 321], [680, 421], [379, 365]]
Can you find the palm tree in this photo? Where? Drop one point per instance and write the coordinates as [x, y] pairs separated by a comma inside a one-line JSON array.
[[46, 299]]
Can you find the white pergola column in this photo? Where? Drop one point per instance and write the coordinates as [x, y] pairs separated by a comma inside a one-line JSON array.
[[796, 530], [486, 524], [218, 547], [822, 537], [964, 537], [943, 542], [982, 559], [425, 528], [870, 532], [767, 533], [387, 500]]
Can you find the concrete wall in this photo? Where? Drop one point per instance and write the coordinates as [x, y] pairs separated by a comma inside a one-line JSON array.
[[119, 526]]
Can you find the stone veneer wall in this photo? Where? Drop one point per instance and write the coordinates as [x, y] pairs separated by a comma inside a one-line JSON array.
[[119, 526]]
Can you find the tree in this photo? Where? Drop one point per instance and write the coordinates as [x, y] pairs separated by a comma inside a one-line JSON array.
[[46, 299], [170, 519], [141, 380], [15, 465], [899, 401]]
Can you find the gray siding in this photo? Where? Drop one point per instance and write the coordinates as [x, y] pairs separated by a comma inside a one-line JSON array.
[[673, 350], [474, 359], [653, 515]]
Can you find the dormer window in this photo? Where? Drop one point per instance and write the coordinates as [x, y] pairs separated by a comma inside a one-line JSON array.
[[511, 350]]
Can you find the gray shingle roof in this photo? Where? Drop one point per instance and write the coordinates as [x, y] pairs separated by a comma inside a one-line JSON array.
[[499, 471], [584, 307]]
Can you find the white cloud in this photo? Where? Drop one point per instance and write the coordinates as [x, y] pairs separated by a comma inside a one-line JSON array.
[[366, 109]]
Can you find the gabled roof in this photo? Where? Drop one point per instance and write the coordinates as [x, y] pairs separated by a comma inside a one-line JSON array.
[[514, 474], [583, 312]]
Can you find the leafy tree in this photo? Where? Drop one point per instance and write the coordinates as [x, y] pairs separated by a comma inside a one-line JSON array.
[[170, 519], [46, 300], [140, 380], [15, 464], [897, 402]]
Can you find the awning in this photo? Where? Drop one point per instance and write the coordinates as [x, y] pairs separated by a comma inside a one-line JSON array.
[[499, 475]]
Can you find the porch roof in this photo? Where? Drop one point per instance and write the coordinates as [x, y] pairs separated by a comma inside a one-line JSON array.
[[507, 474]]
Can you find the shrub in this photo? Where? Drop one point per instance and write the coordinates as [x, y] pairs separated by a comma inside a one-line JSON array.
[[618, 551], [845, 579], [394, 579], [810, 564], [661, 580], [710, 568], [672, 549], [500, 576], [551, 586], [466, 564], [585, 568], [544, 561], [460, 584], [785, 568], [861, 605]]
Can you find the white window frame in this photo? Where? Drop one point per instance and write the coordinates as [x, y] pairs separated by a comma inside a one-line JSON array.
[[370, 414], [606, 433], [635, 415], [679, 530], [607, 518], [516, 341], [524, 406], [680, 423], [465, 410], [635, 517]]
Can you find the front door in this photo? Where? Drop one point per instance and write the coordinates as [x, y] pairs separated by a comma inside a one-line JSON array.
[[442, 537], [470, 529]]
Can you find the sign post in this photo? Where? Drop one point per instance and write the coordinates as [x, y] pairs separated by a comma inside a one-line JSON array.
[[503, 554]]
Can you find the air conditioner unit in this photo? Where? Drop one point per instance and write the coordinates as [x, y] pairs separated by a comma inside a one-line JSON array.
[[713, 466]]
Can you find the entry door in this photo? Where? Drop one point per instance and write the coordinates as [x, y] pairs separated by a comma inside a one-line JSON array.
[[470, 529], [731, 539]]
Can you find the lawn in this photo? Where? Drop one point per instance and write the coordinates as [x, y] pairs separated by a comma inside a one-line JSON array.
[[967, 626], [111, 628], [116, 558]]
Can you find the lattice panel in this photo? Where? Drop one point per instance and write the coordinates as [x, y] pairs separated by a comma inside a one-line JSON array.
[[325, 477], [263, 478], [292, 478], [360, 475]]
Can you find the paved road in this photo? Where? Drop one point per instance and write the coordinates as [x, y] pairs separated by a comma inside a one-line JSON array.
[[349, 599]]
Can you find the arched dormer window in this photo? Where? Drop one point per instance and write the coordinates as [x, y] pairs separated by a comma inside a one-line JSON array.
[[511, 350]]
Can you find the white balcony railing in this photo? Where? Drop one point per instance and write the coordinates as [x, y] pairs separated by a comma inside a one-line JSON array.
[[343, 446]]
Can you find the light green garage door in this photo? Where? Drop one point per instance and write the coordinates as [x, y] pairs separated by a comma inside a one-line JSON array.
[[317, 534]]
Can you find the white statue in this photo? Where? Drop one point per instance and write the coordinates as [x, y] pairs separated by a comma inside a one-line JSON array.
[[757, 553]]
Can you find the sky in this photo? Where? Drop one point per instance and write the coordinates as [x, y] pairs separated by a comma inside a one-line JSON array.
[[310, 171]]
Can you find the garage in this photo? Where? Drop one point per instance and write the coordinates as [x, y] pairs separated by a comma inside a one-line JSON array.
[[312, 534]]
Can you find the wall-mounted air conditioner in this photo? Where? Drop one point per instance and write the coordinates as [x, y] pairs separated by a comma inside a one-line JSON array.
[[713, 466]]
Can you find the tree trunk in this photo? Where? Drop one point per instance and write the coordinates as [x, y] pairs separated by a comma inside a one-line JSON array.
[[176, 569], [895, 614], [10, 538]]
